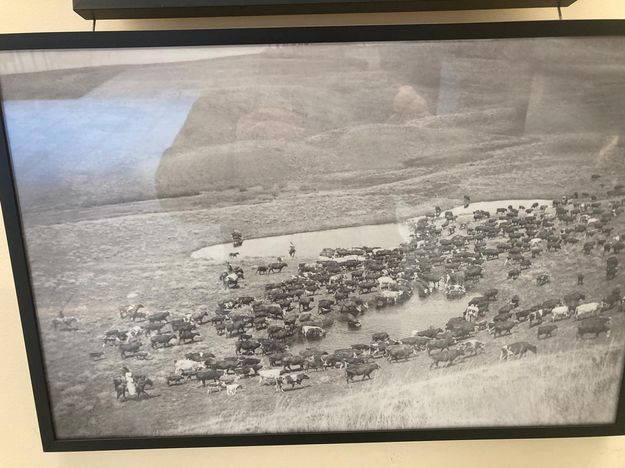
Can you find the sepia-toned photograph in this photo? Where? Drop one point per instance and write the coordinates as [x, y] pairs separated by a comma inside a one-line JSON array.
[[311, 238]]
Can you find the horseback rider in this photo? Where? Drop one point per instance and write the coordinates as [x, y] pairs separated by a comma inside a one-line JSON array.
[[130, 381]]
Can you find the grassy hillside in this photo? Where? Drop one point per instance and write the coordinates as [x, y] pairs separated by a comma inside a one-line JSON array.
[[302, 115]]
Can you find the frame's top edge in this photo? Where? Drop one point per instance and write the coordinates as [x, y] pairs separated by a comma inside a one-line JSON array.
[[312, 34], [141, 9]]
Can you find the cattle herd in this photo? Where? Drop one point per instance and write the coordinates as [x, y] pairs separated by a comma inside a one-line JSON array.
[[446, 255]]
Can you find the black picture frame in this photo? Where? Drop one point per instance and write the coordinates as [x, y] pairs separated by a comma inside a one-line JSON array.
[[14, 229], [135, 9]]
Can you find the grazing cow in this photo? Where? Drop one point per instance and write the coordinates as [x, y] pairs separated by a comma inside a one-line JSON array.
[[208, 375], [188, 335], [360, 369], [417, 342], [162, 340], [261, 270], [517, 350], [431, 332], [276, 358], [386, 282], [311, 332], [143, 355], [324, 306], [215, 387], [560, 313], [399, 352], [130, 348], [522, 315], [491, 294], [132, 311], [392, 297], [154, 327], [249, 361], [234, 328], [590, 309], [246, 347], [199, 356], [594, 327], [333, 360], [502, 317], [305, 302], [447, 356], [65, 323], [542, 279], [174, 379], [187, 366], [158, 317], [536, 317], [502, 328], [231, 389], [269, 375], [440, 344], [356, 360], [291, 380], [225, 365], [472, 347], [546, 330], [276, 267], [379, 336], [289, 361], [270, 346]]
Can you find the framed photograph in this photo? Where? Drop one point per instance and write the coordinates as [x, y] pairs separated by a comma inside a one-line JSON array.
[[318, 235]]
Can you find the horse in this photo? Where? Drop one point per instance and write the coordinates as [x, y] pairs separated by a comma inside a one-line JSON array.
[[68, 323], [141, 382], [132, 312]]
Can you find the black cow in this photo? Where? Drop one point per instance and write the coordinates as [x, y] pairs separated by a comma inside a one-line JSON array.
[[158, 317], [208, 375], [502, 328], [188, 335], [399, 352], [546, 330], [448, 356], [431, 332], [594, 327], [289, 361], [247, 347], [439, 344], [361, 369], [162, 340], [290, 380], [129, 348], [379, 336]]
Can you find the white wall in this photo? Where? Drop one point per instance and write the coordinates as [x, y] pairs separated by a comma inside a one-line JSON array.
[[19, 437]]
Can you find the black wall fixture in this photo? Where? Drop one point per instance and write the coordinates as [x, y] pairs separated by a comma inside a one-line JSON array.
[[135, 9]]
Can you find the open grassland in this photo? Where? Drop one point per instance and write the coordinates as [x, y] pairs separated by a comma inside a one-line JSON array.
[[569, 381], [301, 140], [561, 388]]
